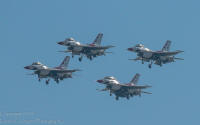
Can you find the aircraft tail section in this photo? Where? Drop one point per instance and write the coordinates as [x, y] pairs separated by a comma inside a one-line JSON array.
[[167, 45], [146, 92], [65, 62], [178, 58], [98, 39], [135, 78]]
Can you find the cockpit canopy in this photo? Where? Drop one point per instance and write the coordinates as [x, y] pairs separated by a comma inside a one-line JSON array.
[[139, 45], [36, 63], [110, 78], [70, 39]]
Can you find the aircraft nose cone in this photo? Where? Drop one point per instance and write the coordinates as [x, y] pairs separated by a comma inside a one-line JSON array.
[[130, 49], [26, 67], [99, 81], [60, 43]]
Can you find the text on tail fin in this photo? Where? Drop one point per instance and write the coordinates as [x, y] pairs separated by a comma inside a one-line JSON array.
[[167, 45], [65, 62], [135, 78], [98, 39]]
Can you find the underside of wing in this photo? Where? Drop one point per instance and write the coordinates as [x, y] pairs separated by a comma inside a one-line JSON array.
[[161, 53], [135, 86], [96, 47], [60, 71]]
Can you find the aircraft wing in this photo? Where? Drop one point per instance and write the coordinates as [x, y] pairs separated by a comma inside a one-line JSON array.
[[135, 86], [95, 47], [163, 53], [61, 70]]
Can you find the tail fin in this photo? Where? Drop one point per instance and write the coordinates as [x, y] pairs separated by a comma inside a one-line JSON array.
[[167, 45], [98, 39], [65, 62], [135, 78]]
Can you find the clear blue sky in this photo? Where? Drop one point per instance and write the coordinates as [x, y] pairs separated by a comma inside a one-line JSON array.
[[30, 29]]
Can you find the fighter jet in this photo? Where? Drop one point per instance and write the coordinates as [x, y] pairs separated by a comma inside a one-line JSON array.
[[58, 73], [157, 57], [123, 90], [89, 50]]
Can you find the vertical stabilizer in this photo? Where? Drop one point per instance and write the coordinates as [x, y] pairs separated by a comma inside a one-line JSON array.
[[65, 62], [98, 39], [167, 45], [135, 78]]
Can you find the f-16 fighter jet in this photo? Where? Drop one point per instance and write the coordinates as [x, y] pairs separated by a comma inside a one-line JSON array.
[[123, 90], [157, 57], [89, 50], [58, 73]]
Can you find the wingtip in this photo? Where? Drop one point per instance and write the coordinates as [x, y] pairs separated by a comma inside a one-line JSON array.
[[148, 86], [180, 51], [132, 59], [111, 46], [78, 69]]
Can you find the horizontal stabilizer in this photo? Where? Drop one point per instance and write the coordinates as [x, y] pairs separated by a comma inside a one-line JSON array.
[[77, 70], [179, 51], [110, 46], [178, 58], [146, 92], [109, 52]]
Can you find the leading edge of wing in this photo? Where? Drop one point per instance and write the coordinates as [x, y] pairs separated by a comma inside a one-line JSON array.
[[136, 86], [96, 47], [161, 53], [63, 70]]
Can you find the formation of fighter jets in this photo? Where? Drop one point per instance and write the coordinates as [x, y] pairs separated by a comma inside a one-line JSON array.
[[95, 49]]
